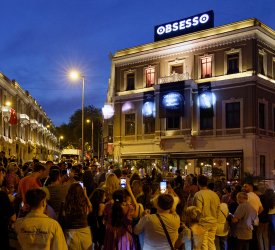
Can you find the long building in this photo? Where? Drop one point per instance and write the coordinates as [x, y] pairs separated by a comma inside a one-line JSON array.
[[204, 98], [28, 134]]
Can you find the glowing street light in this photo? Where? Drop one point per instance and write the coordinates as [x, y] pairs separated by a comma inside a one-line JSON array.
[[8, 103], [75, 75]]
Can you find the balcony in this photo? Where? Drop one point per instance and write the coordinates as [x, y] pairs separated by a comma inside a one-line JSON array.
[[33, 123], [6, 111], [173, 78], [22, 141], [24, 119], [40, 127]]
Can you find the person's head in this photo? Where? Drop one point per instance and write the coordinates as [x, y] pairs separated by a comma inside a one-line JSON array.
[[34, 160], [36, 199], [124, 172], [211, 186], [101, 178], [93, 167], [119, 207], [165, 202], [146, 188], [49, 164], [248, 187], [193, 215], [117, 172], [233, 195], [202, 181], [88, 179], [98, 196], [76, 200], [238, 188], [76, 169], [12, 167], [177, 172], [54, 176], [2, 153], [38, 170], [227, 190], [136, 188], [111, 181], [2, 174], [223, 180], [134, 177], [242, 197]]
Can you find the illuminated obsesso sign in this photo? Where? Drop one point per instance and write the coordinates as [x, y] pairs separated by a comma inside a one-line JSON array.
[[187, 25]]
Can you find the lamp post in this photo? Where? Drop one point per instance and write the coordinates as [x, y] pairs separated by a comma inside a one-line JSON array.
[[60, 137], [76, 75], [92, 138]]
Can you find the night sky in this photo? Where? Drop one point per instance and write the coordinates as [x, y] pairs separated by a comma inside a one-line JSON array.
[[42, 40]]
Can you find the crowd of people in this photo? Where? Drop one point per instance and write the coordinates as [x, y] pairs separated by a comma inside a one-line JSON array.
[[79, 207]]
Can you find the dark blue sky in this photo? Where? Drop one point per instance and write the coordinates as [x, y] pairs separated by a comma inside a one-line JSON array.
[[41, 40]]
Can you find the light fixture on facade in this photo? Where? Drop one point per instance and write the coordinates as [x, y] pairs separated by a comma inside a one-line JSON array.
[[108, 111], [127, 106]]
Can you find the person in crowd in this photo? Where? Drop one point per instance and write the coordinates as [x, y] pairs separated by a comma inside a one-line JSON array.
[[12, 179], [76, 209], [223, 185], [181, 206], [244, 216], [154, 171], [49, 210], [110, 186], [117, 172], [226, 197], [192, 190], [76, 172], [209, 203], [262, 230], [238, 188], [47, 167], [178, 180], [57, 191], [7, 214], [232, 202], [255, 202], [37, 230], [155, 237], [192, 234], [137, 188], [134, 177], [101, 180], [118, 216], [124, 174], [4, 159], [88, 182], [271, 205], [145, 197], [221, 238], [95, 218], [28, 182], [141, 172], [211, 186]]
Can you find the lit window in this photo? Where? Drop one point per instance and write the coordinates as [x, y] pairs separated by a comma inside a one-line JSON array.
[[130, 124], [233, 63], [176, 69], [130, 81], [206, 67], [173, 123], [233, 115], [150, 77]]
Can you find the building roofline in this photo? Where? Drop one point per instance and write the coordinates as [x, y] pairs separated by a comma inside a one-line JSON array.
[[195, 35]]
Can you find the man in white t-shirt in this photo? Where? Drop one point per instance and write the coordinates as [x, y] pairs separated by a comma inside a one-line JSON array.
[[141, 173]]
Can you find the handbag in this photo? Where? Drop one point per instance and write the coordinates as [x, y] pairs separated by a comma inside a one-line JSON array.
[[165, 231]]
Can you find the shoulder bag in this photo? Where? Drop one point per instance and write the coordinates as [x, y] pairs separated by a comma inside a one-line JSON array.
[[165, 231]]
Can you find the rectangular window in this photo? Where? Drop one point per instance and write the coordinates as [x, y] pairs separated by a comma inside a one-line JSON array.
[[130, 81], [177, 69], [150, 77], [173, 123], [261, 116], [261, 64], [206, 123], [233, 115], [206, 67], [130, 124], [150, 127], [233, 63], [110, 133], [262, 166]]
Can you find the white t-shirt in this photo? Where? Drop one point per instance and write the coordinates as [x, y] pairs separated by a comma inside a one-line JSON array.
[[255, 202], [155, 237], [222, 223]]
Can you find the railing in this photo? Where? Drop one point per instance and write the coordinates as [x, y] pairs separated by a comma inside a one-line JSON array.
[[173, 78]]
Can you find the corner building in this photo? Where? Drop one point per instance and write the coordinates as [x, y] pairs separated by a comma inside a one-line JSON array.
[[33, 135], [213, 96]]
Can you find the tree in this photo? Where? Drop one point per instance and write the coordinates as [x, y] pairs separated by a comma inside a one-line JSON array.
[[72, 132]]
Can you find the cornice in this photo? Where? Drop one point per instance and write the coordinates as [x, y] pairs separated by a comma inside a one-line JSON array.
[[254, 32]]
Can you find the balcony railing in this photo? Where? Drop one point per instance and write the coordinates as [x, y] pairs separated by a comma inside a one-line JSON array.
[[33, 123], [25, 119], [173, 78]]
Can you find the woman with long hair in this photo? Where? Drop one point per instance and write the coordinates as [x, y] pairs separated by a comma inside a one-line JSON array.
[[192, 234], [145, 197], [137, 188], [12, 179], [95, 219], [192, 190], [181, 206], [76, 209], [134, 177], [88, 181], [118, 215], [110, 186]]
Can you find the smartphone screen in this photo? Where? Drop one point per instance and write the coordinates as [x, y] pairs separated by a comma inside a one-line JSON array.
[[163, 186], [123, 182], [14, 194], [81, 184], [109, 170], [68, 172]]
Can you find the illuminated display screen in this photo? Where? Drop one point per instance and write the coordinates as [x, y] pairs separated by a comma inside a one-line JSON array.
[[127, 106], [206, 100], [184, 26], [148, 109], [172, 100]]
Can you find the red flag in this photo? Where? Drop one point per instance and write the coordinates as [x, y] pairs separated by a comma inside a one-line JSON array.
[[13, 119]]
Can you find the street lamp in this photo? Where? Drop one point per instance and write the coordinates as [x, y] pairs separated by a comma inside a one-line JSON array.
[[76, 75], [60, 137], [92, 137]]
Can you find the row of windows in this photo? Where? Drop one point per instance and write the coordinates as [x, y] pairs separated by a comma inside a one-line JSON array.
[[233, 120], [206, 69]]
